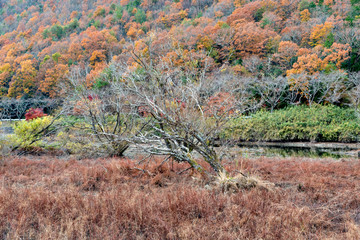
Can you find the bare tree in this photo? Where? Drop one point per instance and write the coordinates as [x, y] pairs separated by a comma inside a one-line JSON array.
[[293, 97], [11, 108], [319, 87], [175, 119], [354, 92], [162, 107], [252, 63], [335, 87], [271, 89], [178, 124], [107, 118]]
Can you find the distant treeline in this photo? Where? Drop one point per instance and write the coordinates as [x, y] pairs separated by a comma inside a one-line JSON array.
[[16, 108]]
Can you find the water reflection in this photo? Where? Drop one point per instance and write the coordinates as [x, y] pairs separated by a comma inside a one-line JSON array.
[[255, 151]]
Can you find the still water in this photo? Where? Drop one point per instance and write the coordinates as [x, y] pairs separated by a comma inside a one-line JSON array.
[[294, 152]]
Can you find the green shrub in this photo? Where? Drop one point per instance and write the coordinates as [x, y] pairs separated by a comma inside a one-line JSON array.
[[300, 123], [56, 57], [119, 12], [57, 31], [258, 15], [27, 134], [71, 26], [140, 16], [46, 33], [47, 57], [97, 24]]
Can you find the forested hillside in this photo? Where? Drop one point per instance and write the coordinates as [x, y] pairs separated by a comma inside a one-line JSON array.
[[41, 41]]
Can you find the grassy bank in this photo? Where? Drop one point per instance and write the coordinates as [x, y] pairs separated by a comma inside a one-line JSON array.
[[298, 123]]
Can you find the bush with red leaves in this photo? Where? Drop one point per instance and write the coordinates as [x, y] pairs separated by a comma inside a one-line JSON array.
[[33, 113]]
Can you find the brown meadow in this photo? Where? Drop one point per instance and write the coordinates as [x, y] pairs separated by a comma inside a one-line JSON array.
[[52, 198]]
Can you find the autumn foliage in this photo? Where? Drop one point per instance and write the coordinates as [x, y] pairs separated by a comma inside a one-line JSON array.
[[34, 113], [41, 41], [227, 58]]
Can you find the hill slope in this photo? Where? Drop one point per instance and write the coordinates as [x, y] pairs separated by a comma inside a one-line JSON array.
[[42, 40]]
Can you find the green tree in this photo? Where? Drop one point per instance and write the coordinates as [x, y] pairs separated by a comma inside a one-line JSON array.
[[140, 16]]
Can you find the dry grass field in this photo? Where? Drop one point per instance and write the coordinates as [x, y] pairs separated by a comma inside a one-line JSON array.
[[44, 197]]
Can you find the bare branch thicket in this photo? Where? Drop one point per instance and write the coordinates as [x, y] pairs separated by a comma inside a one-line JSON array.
[[306, 86], [12, 108], [348, 35], [335, 86], [161, 107], [105, 114], [354, 92], [292, 97], [271, 89], [320, 87], [4, 109], [180, 122], [252, 63], [19, 109], [16, 108]]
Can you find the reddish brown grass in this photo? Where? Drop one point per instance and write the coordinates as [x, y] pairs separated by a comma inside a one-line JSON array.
[[50, 198]]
